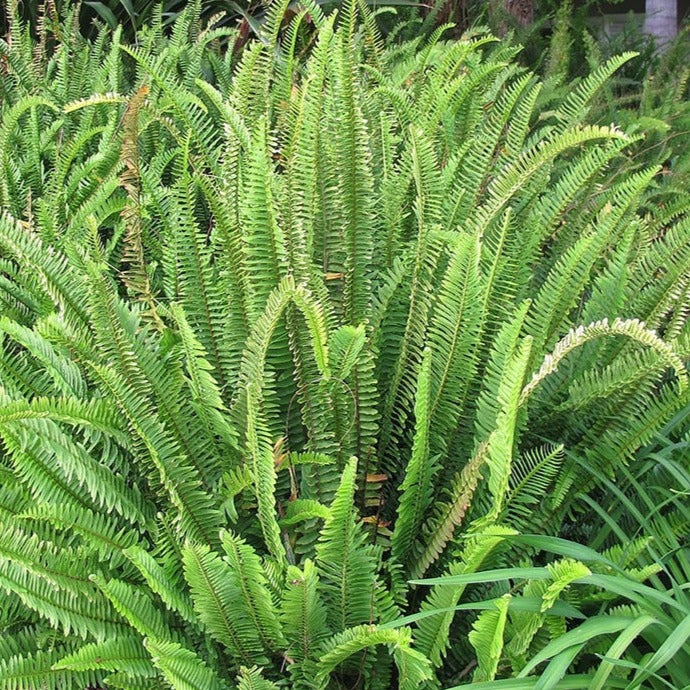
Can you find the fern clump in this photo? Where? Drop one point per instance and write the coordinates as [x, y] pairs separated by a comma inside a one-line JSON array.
[[287, 326]]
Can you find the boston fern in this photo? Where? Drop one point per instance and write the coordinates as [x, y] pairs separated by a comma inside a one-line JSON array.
[[286, 327]]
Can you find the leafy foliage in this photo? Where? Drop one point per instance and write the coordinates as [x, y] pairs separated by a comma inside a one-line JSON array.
[[284, 329]]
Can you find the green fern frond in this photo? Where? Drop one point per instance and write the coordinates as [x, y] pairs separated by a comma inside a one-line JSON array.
[[37, 669], [160, 582], [487, 639], [413, 668], [432, 635], [251, 679], [303, 616], [253, 586], [449, 513], [575, 107], [181, 667], [123, 654], [417, 487], [133, 605], [346, 563], [217, 592]]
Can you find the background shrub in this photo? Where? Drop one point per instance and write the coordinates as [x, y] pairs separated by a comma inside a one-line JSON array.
[[289, 326]]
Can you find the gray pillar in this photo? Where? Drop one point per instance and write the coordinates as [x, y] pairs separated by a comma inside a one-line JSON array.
[[661, 20]]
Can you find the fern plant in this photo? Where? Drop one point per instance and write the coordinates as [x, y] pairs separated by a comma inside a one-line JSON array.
[[591, 619], [282, 331]]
